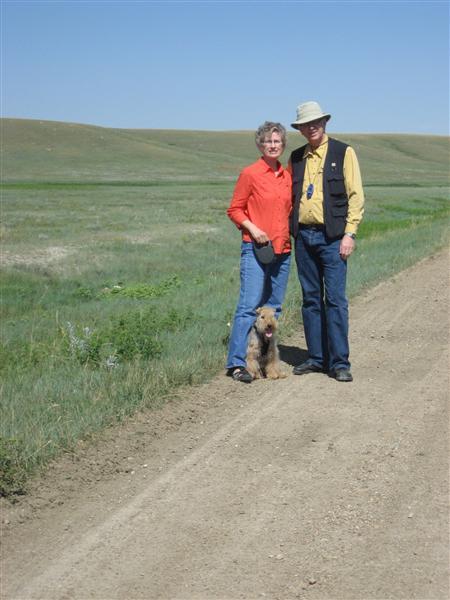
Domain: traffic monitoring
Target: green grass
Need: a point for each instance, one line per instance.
(121, 270)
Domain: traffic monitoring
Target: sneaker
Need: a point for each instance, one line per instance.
(240, 374)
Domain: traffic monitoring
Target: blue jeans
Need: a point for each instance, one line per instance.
(261, 285)
(323, 274)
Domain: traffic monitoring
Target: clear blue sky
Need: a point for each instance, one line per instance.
(376, 66)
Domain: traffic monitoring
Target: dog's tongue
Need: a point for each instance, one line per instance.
(268, 334)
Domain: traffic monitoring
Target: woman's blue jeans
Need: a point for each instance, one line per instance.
(323, 274)
(261, 285)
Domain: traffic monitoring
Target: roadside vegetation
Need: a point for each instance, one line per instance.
(120, 269)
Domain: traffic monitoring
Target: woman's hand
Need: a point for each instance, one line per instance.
(260, 236)
(257, 234)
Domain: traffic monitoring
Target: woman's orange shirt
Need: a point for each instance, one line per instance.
(264, 197)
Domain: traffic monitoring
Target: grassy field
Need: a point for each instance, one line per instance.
(120, 268)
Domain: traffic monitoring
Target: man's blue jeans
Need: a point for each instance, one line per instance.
(261, 285)
(323, 274)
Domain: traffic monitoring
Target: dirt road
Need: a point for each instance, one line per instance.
(301, 488)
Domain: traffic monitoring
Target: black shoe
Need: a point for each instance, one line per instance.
(343, 375)
(240, 374)
(307, 367)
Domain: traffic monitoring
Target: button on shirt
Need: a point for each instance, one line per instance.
(264, 197)
(311, 210)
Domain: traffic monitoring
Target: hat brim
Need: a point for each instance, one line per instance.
(296, 124)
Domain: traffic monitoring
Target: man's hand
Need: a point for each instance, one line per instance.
(347, 246)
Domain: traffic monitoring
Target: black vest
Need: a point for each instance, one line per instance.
(335, 199)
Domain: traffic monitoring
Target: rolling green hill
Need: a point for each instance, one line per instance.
(37, 151)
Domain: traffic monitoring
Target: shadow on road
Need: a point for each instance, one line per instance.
(292, 355)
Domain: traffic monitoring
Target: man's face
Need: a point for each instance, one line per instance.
(314, 131)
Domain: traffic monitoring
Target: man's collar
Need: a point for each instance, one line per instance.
(320, 150)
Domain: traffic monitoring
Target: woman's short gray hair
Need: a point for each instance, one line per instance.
(266, 129)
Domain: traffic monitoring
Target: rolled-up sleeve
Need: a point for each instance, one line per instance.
(237, 210)
(355, 192)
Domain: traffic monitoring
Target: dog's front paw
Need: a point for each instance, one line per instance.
(276, 375)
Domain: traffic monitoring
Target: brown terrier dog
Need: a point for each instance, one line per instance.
(262, 352)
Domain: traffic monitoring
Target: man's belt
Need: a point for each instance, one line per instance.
(316, 227)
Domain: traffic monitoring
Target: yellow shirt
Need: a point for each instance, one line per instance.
(311, 211)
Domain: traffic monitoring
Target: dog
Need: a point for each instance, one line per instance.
(262, 352)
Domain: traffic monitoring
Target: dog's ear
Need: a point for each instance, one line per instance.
(258, 311)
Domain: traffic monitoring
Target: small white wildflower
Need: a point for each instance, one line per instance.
(78, 345)
(112, 361)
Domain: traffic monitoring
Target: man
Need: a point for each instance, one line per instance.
(328, 205)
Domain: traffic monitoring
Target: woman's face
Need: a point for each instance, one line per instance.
(272, 146)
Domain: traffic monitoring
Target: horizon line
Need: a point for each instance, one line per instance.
(207, 130)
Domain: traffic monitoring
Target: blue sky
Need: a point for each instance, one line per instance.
(376, 66)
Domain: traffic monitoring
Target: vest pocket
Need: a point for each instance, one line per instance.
(336, 185)
(339, 208)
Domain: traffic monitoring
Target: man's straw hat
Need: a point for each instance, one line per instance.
(309, 111)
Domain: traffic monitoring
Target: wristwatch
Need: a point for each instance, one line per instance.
(352, 235)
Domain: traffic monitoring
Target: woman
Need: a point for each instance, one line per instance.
(260, 208)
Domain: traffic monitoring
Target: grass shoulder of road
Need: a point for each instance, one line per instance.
(95, 372)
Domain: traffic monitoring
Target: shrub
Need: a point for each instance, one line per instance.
(130, 335)
(141, 291)
(133, 335)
